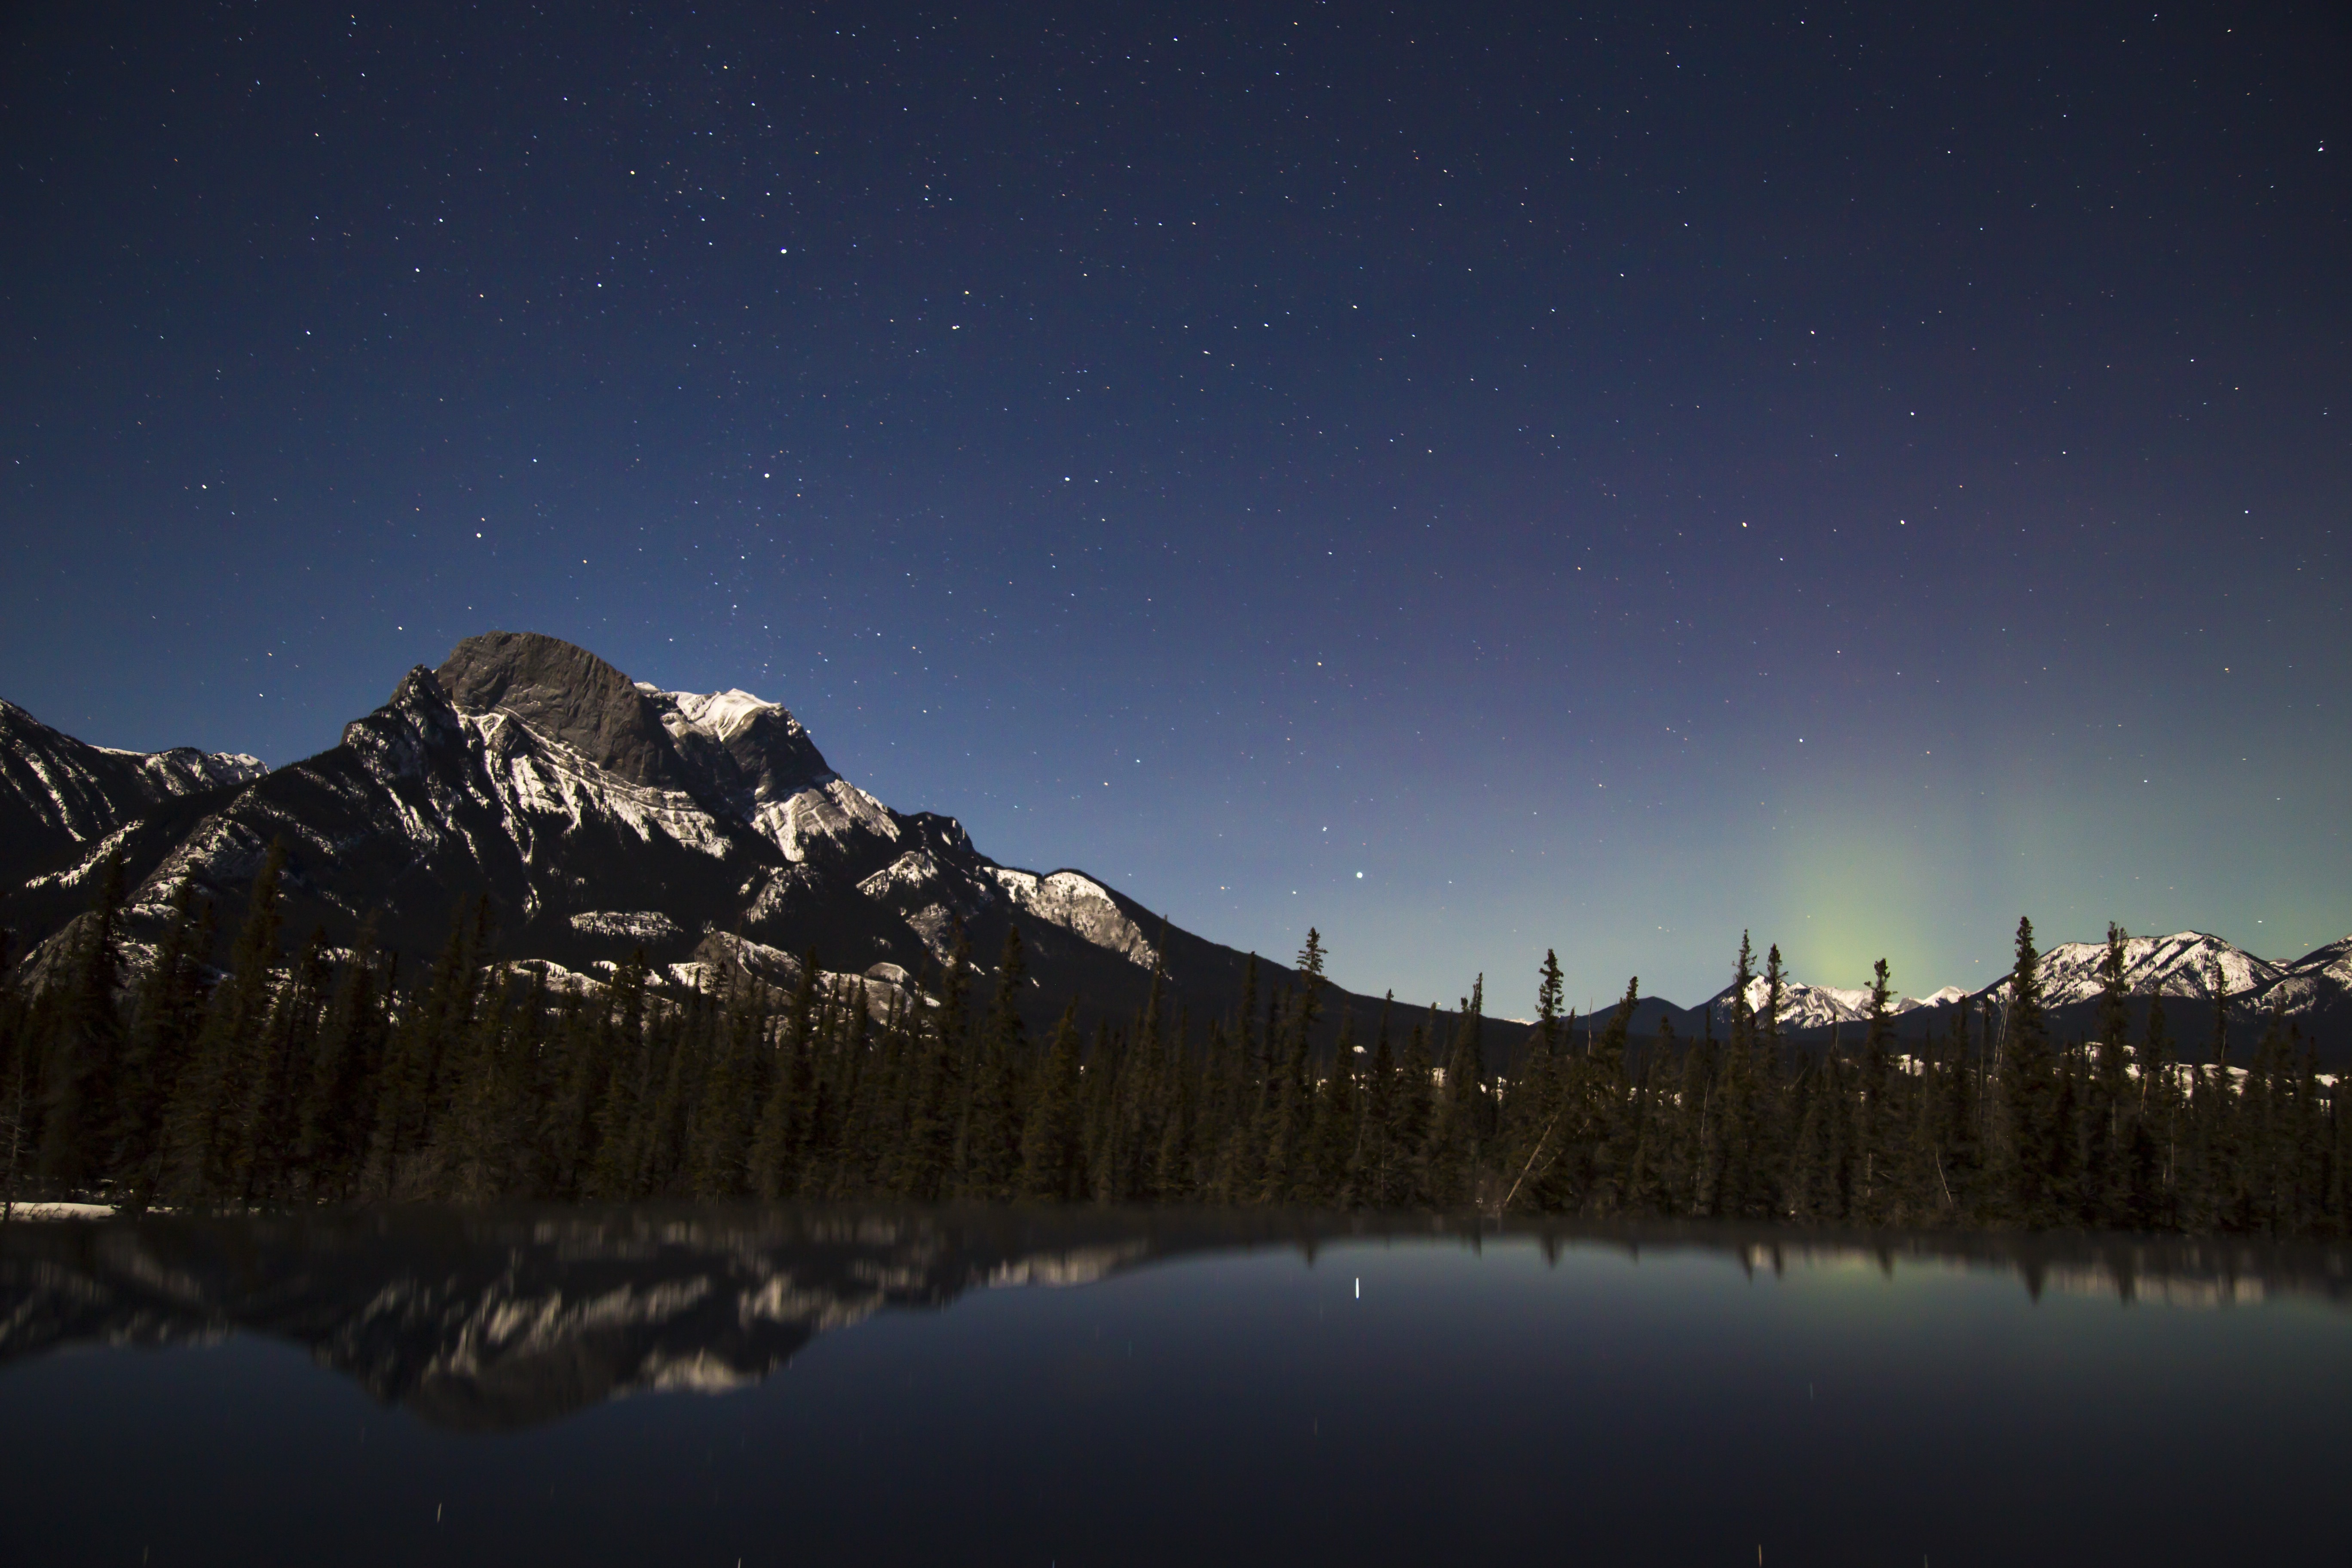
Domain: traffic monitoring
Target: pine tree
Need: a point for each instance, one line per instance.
(16, 1085)
(927, 1156)
(990, 1157)
(1874, 1143)
(1606, 1132)
(85, 1050)
(2031, 1150)
(1050, 1140)
(1455, 1137)
(206, 1154)
(1377, 1179)
(1332, 1135)
(2107, 1130)
(2159, 1119)
(776, 1140)
(1416, 1115)
(266, 1123)
(723, 1123)
(1550, 994)
(165, 1019)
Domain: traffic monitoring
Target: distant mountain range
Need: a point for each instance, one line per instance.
(2315, 993)
(602, 816)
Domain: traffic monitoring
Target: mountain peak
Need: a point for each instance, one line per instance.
(566, 694)
(751, 751)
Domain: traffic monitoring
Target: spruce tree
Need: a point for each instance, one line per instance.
(205, 1154)
(1416, 1114)
(165, 1019)
(775, 1142)
(1332, 1136)
(1455, 1140)
(1377, 1179)
(267, 1121)
(1050, 1141)
(2158, 1119)
(87, 1047)
(990, 1157)
(2031, 1150)
(1874, 1143)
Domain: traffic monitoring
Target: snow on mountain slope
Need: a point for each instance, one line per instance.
(649, 926)
(57, 792)
(717, 714)
(2177, 966)
(601, 815)
(835, 821)
(1081, 905)
(2318, 982)
(1805, 1006)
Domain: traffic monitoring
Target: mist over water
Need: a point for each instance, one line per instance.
(704, 1384)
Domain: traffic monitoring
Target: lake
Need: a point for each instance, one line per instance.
(766, 1386)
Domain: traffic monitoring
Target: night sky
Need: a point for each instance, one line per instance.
(1474, 480)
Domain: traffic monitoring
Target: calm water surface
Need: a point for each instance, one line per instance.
(705, 1387)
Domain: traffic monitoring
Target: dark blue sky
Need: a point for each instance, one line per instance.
(1607, 478)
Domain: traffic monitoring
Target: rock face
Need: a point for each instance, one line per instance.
(58, 793)
(568, 696)
(601, 818)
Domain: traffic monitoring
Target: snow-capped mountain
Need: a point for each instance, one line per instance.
(1807, 1007)
(602, 816)
(56, 792)
(2319, 984)
(2181, 965)
(2314, 992)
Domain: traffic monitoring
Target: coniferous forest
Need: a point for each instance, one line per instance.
(331, 1077)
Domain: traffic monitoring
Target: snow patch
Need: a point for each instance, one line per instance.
(1080, 905)
(628, 925)
(825, 820)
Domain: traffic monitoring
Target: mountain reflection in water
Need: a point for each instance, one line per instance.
(489, 1321)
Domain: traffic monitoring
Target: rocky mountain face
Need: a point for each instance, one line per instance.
(601, 818)
(57, 793)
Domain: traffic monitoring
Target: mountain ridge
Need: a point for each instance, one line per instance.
(601, 814)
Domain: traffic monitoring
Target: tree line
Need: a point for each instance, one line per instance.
(329, 1077)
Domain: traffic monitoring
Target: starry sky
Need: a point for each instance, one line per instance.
(1473, 479)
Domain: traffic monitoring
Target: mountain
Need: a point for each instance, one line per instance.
(2318, 985)
(2179, 965)
(57, 793)
(601, 817)
(2315, 993)
(1805, 1008)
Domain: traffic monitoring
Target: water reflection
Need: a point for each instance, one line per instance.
(487, 1321)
